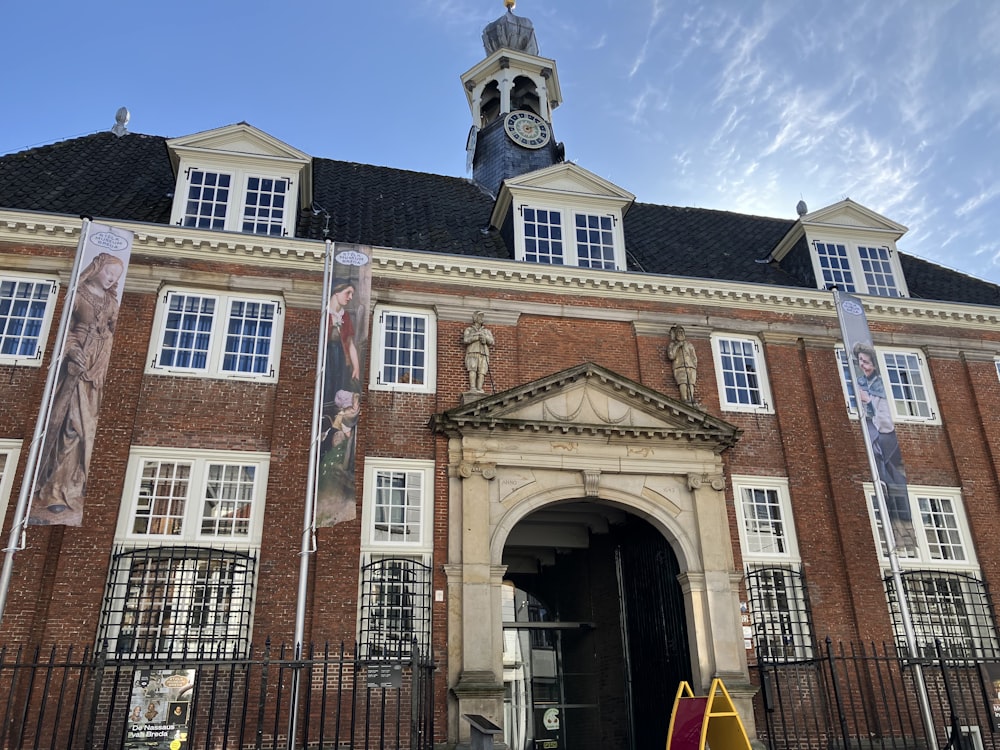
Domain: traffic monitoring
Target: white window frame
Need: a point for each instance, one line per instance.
(763, 386)
(996, 363)
(372, 549)
(191, 533)
(898, 417)
(236, 203)
(32, 359)
(922, 557)
(192, 559)
(221, 317)
(782, 633)
(377, 380)
(424, 470)
(857, 283)
(779, 486)
(568, 218)
(10, 452)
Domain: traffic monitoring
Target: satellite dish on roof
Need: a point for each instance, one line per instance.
(121, 120)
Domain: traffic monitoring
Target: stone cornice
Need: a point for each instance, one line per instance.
(157, 240)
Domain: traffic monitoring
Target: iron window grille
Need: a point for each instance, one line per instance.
(780, 614)
(952, 608)
(395, 608)
(179, 602)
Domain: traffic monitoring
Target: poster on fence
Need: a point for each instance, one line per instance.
(990, 673)
(160, 709)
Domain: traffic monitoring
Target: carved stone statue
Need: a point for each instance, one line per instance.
(478, 339)
(682, 355)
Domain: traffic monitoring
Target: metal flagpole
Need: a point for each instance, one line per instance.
(16, 541)
(909, 633)
(309, 514)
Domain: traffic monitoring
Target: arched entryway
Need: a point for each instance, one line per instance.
(575, 494)
(595, 632)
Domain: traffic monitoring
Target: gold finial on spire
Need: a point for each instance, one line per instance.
(509, 4)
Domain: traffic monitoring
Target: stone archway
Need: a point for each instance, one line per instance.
(585, 433)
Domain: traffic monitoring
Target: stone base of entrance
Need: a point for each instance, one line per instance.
(478, 693)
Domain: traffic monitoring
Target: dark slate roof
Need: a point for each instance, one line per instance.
(131, 178)
(395, 208)
(926, 280)
(704, 243)
(96, 175)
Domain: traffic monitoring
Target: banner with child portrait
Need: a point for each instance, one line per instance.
(345, 344)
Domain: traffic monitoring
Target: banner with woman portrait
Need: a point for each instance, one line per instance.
(344, 339)
(879, 428)
(81, 355)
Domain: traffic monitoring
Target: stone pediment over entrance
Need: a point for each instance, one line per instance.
(588, 400)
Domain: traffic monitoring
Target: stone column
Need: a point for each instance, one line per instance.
(716, 631)
(479, 689)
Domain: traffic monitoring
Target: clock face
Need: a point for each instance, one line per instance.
(527, 129)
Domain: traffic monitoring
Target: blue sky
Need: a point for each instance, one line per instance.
(727, 104)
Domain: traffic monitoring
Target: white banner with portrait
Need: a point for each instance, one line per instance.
(879, 428)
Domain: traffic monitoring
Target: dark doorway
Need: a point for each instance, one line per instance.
(595, 637)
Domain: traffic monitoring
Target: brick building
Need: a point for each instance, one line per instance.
(596, 523)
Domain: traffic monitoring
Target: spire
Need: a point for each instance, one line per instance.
(510, 32)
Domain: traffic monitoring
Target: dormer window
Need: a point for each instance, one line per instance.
(239, 179)
(858, 268)
(590, 242)
(237, 201)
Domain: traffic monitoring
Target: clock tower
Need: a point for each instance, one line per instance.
(511, 94)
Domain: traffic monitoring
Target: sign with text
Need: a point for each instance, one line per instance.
(160, 709)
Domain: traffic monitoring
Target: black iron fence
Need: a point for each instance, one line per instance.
(851, 697)
(66, 698)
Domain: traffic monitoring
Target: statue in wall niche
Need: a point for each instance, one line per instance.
(478, 339)
(684, 359)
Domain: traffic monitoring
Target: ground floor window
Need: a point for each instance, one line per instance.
(395, 607)
(179, 602)
(779, 613)
(947, 608)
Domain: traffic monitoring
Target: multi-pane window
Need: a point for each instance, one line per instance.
(864, 269)
(264, 208)
(847, 382)
(404, 351)
(905, 381)
(877, 271)
(207, 199)
(236, 200)
(9, 451)
(398, 506)
(543, 241)
(595, 243)
(589, 240)
(395, 607)
(395, 554)
(762, 521)
(740, 373)
(905, 375)
(945, 594)
(217, 335)
(182, 577)
(777, 602)
(179, 602)
(26, 307)
(779, 612)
